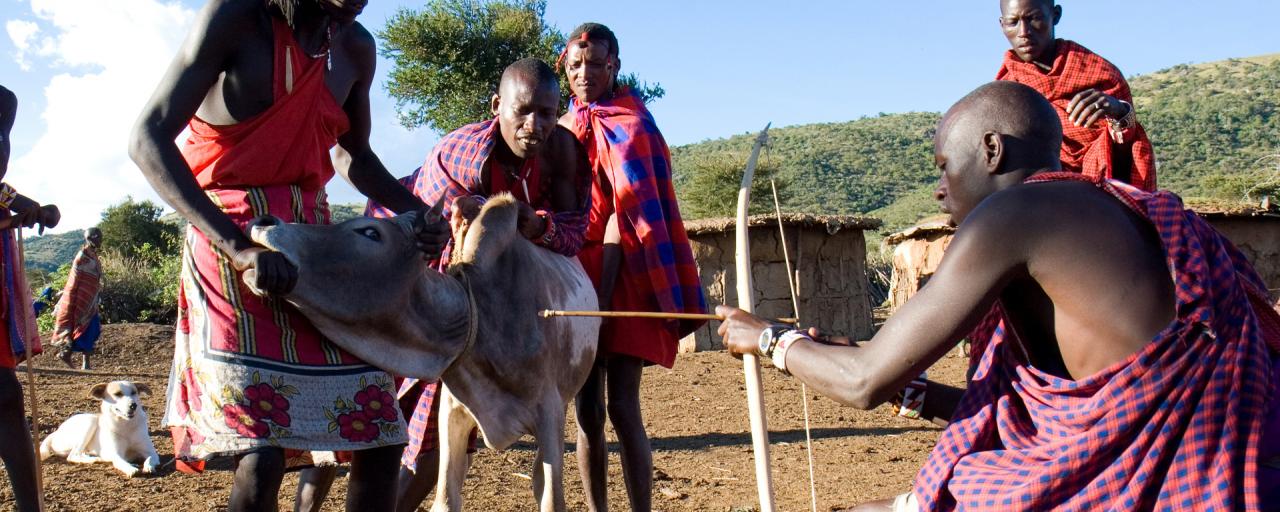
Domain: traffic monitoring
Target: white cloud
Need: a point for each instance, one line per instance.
(21, 32)
(108, 56)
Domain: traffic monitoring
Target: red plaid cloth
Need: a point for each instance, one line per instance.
(79, 301)
(456, 167)
(1086, 150)
(1177, 426)
(624, 144)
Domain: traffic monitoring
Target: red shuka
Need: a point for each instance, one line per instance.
(280, 153)
(1090, 150)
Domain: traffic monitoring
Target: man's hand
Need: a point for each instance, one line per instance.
(48, 217)
(740, 330)
(529, 223)
(465, 209)
(25, 211)
(266, 272)
(1090, 105)
(431, 232)
(839, 341)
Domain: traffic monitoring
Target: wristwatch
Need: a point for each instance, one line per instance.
(769, 339)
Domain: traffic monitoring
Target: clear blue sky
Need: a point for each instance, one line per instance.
(728, 66)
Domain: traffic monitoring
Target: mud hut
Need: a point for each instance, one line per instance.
(1254, 230)
(828, 253)
(917, 251)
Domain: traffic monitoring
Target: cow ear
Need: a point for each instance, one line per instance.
(143, 389)
(98, 391)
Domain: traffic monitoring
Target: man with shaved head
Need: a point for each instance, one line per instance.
(520, 151)
(1101, 133)
(1132, 359)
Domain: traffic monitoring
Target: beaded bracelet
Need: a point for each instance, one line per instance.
(549, 233)
(779, 355)
(7, 195)
(910, 400)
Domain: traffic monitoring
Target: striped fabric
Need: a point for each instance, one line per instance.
(624, 143)
(250, 372)
(79, 302)
(20, 336)
(1176, 426)
(1086, 150)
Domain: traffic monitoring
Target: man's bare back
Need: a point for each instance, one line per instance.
(1085, 282)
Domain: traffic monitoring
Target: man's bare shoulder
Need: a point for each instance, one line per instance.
(359, 43)
(563, 148)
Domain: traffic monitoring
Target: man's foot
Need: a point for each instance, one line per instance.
(65, 356)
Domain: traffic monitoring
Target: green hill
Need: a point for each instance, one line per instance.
(47, 253)
(1213, 126)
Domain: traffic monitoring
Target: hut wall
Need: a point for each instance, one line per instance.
(1258, 238)
(832, 279)
(914, 261)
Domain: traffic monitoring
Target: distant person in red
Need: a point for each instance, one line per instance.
(1101, 136)
(636, 252)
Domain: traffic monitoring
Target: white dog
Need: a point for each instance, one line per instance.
(117, 434)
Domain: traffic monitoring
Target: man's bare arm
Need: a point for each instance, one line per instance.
(356, 161)
(190, 76)
(987, 251)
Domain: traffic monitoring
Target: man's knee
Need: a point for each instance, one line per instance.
(261, 466)
(590, 412)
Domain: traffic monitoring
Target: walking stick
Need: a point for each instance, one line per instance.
(751, 363)
(33, 401)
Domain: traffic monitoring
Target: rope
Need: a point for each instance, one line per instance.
(795, 307)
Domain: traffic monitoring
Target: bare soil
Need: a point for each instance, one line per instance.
(696, 416)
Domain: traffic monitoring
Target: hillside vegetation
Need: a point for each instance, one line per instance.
(1213, 126)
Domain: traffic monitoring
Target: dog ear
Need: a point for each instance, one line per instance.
(98, 391)
(143, 389)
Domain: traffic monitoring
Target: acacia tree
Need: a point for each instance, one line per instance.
(710, 183)
(449, 56)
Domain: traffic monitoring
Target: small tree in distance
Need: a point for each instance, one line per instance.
(449, 56)
(710, 187)
(134, 229)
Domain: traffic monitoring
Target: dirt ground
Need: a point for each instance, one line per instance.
(696, 416)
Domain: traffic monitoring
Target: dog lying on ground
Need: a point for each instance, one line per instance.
(118, 433)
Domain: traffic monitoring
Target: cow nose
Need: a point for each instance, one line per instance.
(265, 221)
(133, 407)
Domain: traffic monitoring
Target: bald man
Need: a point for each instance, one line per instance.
(1127, 370)
(520, 151)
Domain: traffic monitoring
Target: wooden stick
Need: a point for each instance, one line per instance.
(548, 313)
(32, 399)
(751, 363)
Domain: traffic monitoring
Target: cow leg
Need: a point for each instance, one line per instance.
(548, 465)
(455, 433)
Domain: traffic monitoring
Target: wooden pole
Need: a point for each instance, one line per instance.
(548, 313)
(32, 400)
(751, 363)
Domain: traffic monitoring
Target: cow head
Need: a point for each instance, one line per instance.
(353, 271)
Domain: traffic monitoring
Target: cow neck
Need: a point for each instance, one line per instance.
(473, 315)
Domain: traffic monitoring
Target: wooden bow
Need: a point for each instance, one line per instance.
(750, 363)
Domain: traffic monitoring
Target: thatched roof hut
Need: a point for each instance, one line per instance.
(827, 251)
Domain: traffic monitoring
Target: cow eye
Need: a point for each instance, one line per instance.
(370, 233)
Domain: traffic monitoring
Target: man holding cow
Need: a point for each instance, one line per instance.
(522, 152)
(266, 89)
